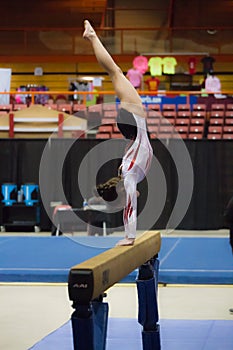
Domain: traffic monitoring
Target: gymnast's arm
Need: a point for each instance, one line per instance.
(130, 210)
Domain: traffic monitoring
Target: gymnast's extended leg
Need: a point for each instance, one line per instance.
(127, 94)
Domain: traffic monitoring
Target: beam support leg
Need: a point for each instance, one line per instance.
(89, 325)
(82, 326)
(147, 286)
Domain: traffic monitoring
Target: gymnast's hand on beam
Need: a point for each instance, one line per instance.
(126, 241)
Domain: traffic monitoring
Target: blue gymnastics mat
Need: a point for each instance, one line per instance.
(125, 334)
(49, 259)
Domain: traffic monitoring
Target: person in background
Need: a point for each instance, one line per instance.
(135, 77)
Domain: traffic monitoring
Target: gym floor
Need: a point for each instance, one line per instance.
(29, 312)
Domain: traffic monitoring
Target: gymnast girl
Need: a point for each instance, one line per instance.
(131, 121)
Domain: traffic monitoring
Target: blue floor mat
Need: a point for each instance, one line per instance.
(125, 334)
(49, 259)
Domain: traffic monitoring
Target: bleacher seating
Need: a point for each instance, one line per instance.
(193, 123)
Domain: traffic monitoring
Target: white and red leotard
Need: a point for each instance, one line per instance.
(135, 165)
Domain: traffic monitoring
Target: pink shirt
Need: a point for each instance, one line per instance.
(135, 77)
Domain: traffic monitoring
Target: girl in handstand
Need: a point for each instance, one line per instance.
(131, 121)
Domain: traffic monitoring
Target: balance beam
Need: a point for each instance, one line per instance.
(88, 280)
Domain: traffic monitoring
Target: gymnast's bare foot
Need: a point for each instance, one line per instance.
(89, 31)
(126, 241)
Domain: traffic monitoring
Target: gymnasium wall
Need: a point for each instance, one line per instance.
(138, 29)
(212, 168)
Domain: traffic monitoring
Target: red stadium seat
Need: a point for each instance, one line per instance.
(165, 130)
(18, 107)
(117, 135)
(228, 129)
(109, 107)
(214, 136)
(182, 121)
(183, 114)
(154, 107)
(7, 107)
(103, 135)
(197, 121)
(110, 113)
(215, 129)
(195, 136)
(197, 130)
(153, 121)
(65, 107)
(229, 114)
(198, 114)
(183, 107)
(169, 107)
(217, 107)
(217, 114)
(227, 136)
(153, 128)
(228, 121)
(152, 113)
(169, 114)
(199, 107)
(108, 120)
(182, 130)
(105, 128)
(229, 107)
(216, 121)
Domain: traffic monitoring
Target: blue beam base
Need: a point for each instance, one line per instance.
(147, 286)
(89, 325)
(151, 340)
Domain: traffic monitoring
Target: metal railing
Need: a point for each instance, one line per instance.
(54, 93)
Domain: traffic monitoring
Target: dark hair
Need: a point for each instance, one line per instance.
(107, 190)
(127, 124)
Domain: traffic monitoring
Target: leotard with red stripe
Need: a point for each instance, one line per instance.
(135, 166)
